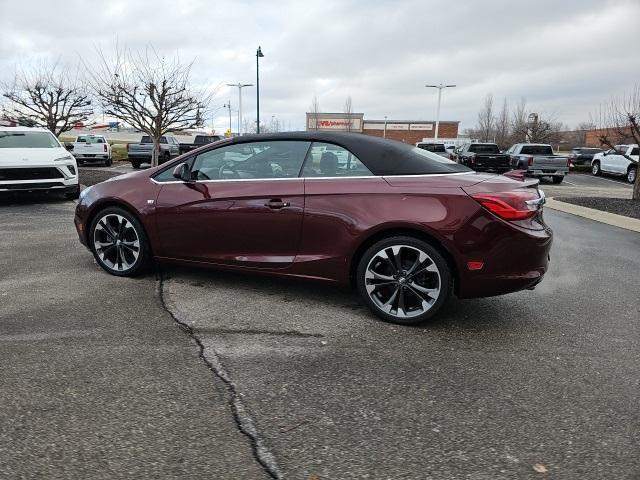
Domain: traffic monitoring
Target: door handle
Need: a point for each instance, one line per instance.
(276, 204)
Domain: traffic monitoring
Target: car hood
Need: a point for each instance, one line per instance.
(31, 157)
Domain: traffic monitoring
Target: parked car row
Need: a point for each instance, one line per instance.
(538, 160)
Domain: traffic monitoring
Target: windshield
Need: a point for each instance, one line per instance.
(27, 139)
(483, 148)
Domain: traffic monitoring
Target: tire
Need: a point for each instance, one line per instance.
(108, 162)
(114, 235)
(135, 164)
(558, 179)
(631, 174)
(74, 195)
(398, 300)
(595, 169)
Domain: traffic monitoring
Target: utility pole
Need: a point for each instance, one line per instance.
(384, 132)
(440, 87)
(258, 56)
(240, 87)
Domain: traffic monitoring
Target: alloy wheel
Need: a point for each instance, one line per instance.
(116, 242)
(631, 175)
(595, 169)
(403, 281)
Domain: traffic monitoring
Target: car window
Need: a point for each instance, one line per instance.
(484, 148)
(89, 139)
(148, 139)
(635, 151)
(27, 139)
(328, 160)
(536, 150)
(433, 147)
(255, 160)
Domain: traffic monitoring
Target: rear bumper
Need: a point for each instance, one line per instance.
(515, 258)
(546, 172)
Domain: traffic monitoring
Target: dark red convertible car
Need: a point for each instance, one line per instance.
(405, 226)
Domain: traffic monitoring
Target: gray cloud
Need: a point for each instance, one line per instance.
(565, 57)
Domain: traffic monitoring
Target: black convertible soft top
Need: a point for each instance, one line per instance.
(381, 156)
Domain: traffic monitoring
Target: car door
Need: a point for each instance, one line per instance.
(243, 207)
(337, 184)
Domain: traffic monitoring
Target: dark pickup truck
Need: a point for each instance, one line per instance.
(199, 141)
(484, 157)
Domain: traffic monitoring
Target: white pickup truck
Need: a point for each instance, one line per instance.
(622, 160)
(91, 148)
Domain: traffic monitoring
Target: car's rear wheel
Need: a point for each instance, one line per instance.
(558, 179)
(403, 280)
(108, 162)
(631, 174)
(135, 164)
(118, 242)
(595, 168)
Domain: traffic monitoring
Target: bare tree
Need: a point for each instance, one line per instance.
(619, 121)
(348, 110)
(519, 122)
(148, 92)
(49, 96)
(580, 136)
(486, 120)
(502, 126)
(315, 111)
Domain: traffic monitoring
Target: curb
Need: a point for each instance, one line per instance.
(616, 220)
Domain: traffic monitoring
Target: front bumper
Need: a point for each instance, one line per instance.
(59, 177)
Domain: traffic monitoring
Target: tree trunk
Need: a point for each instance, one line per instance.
(156, 152)
(636, 185)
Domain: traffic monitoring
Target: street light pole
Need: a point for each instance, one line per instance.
(258, 56)
(384, 132)
(228, 105)
(440, 87)
(240, 87)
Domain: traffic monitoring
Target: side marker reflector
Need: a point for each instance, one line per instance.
(475, 265)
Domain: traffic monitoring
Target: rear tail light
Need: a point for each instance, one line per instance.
(513, 205)
(105, 147)
(530, 161)
(128, 144)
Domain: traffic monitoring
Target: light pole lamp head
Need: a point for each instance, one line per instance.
(259, 52)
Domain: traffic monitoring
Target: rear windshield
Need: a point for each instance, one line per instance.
(205, 139)
(147, 139)
(484, 148)
(433, 147)
(89, 139)
(537, 150)
(26, 139)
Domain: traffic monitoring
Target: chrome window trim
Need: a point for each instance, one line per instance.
(368, 177)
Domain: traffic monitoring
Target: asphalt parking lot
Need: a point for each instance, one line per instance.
(298, 379)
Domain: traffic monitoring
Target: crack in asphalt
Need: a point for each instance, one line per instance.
(240, 413)
(232, 331)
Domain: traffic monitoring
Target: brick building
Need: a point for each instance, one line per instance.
(407, 131)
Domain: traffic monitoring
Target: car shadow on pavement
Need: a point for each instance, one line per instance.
(498, 314)
(31, 198)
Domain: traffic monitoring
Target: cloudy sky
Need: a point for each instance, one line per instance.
(564, 56)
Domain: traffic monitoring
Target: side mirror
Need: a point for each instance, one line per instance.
(181, 172)
(69, 146)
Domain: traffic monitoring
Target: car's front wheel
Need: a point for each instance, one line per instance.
(118, 242)
(631, 174)
(595, 168)
(403, 280)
